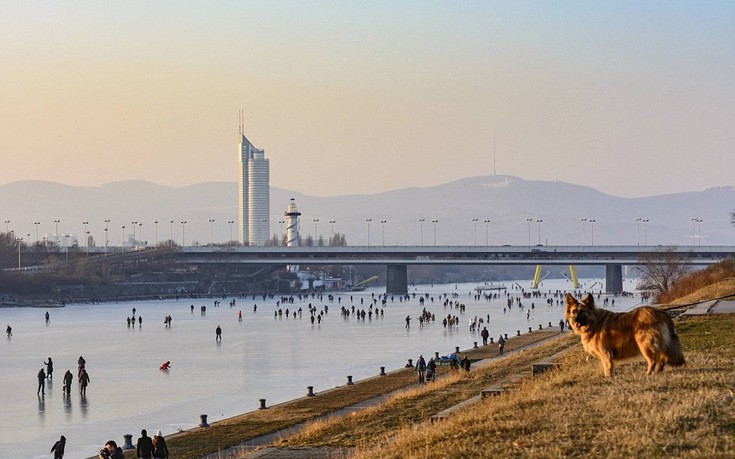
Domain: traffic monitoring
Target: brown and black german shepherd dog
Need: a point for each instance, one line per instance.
(615, 336)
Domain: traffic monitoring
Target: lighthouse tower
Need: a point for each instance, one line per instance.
(292, 225)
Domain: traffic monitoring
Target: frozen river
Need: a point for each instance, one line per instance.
(260, 357)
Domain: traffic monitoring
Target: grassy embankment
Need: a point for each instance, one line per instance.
(570, 412)
(230, 432)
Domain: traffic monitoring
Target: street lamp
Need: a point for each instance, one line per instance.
(183, 234)
(584, 232)
(474, 221)
(645, 231)
(56, 231)
(122, 238)
(7, 223)
(529, 220)
(332, 222)
(107, 227)
(638, 231)
(592, 231)
(696, 221)
(316, 222)
(66, 246)
(18, 240)
(539, 230)
(383, 222)
(86, 232)
(487, 237)
(134, 224)
(211, 231)
(368, 220)
(435, 222)
(421, 229)
(36, 224)
(171, 231)
(230, 222)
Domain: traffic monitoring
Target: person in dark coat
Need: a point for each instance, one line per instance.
(160, 450)
(83, 382)
(49, 368)
(58, 448)
(218, 332)
(41, 382)
(68, 378)
(485, 335)
(145, 445)
(111, 451)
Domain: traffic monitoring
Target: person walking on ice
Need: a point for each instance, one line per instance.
(218, 332)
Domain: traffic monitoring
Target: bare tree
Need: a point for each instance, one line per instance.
(662, 268)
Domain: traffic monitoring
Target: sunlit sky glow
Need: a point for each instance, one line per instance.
(632, 98)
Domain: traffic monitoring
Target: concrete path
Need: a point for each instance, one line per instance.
(700, 308)
(723, 307)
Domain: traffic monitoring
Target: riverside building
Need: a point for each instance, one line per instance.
(253, 192)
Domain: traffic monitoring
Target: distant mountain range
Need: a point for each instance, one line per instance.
(507, 202)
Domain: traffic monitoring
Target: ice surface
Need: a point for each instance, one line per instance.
(261, 357)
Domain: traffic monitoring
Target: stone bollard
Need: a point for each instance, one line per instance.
(518, 333)
(262, 404)
(506, 336)
(491, 340)
(456, 349)
(410, 363)
(349, 380)
(309, 391)
(436, 356)
(549, 324)
(475, 344)
(382, 371)
(540, 327)
(529, 330)
(203, 420)
(128, 444)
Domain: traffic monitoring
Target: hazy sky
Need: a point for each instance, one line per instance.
(632, 98)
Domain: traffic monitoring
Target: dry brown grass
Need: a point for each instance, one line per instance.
(575, 412)
(693, 287)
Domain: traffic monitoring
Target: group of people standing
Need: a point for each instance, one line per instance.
(68, 377)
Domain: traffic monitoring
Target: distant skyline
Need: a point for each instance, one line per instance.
(630, 98)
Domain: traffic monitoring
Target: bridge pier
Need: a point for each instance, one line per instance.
(613, 278)
(396, 280)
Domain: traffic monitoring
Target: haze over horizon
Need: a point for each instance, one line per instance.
(632, 99)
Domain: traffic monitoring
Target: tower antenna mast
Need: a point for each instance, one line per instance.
(494, 170)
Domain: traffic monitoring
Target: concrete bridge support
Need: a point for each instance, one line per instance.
(396, 280)
(613, 278)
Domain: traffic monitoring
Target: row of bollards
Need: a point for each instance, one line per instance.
(128, 438)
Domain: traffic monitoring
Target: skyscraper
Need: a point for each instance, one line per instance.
(253, 192)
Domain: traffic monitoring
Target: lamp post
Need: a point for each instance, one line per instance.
(368, 220)
(66, 246)
(332, 222)
(56, 231)
(487, 232)
(383, 222)
(18, 240)
(122, 237)
(638, 230)
(584, 232)
(230, 222)
(107, 235)
(7, 223)
(421, 229)
(539, 230)
(36, 225)
(696, 221)
(171, 231)
(211, 231)
(435, 222)
(183, 234)
(474, 222)
(85, 235)
(592, 231)
(155, 224)
(140, 232)
(529, 220)
(135, 241)
(316, 222)
(645, 231)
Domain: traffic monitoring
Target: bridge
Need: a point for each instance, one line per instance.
(397, 258)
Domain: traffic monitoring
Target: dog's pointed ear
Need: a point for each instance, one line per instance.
(589, 300)
(571, 299)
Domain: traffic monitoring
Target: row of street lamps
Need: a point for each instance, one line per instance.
(696, 230)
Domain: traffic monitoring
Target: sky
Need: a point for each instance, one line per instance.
(631, 98)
